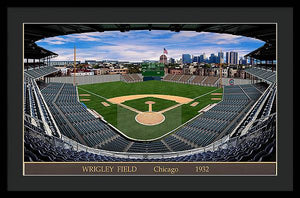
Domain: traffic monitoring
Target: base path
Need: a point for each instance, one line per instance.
(178, 99)
(150, 118)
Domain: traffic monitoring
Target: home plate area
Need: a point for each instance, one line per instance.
(150, 118)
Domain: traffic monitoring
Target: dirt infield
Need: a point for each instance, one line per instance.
(150, 118)
(83, 99)
(84, 94)
(105, 104)
(194, 104)
(216, 94)
(216, 98)
(150, 103)
(178, 99)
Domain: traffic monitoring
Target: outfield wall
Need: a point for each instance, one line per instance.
(81, 80)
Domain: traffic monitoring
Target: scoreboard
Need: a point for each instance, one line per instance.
(153, 69)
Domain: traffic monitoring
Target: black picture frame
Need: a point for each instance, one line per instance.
(283, 16)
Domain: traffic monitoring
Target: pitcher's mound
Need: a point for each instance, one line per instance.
(150, 118)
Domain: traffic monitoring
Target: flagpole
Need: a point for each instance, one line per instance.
(163, 56)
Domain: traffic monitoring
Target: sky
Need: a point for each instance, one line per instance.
(135, 46)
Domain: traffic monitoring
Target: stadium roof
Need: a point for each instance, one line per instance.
(264, 32)
(33, 51)
(266, 52)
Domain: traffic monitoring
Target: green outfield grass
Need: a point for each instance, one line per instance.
(119, 88)
(123, 119)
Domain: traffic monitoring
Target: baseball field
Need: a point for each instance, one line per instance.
(147, 110)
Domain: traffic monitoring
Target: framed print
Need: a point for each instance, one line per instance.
(148, 98)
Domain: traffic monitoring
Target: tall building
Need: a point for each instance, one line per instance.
(232, 58)
(220, 57)
(202, 58)
(186, 58)
(172, 60)
(163, 59)
(213, 58)
(195, 59)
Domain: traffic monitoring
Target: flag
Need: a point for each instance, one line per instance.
(165, 51)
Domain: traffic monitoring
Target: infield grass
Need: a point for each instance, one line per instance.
(160, 104)
(123, 119)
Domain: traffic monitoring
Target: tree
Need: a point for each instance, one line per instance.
(96, 66)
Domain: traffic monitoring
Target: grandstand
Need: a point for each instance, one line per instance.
(263, 74)
(40, 72)
(58, 127)
(193, 79)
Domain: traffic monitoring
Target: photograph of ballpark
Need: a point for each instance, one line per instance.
(149, 92)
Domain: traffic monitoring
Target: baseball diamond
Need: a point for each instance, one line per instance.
(161, 110)
(165, 97)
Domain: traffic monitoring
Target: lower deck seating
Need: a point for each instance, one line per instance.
(256, 146)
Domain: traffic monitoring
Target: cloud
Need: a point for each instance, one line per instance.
(146, 45)
(82, 37)
(55, 40)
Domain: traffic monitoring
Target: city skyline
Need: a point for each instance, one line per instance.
(135, 46)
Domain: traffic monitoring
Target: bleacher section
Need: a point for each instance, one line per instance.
(192, 79)
(136, 77)
(185, 78)
(168, 77)
(131, 78)
(263, 74)
(198, 79)
(40, 72)
(210, 80)
(176, 77)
